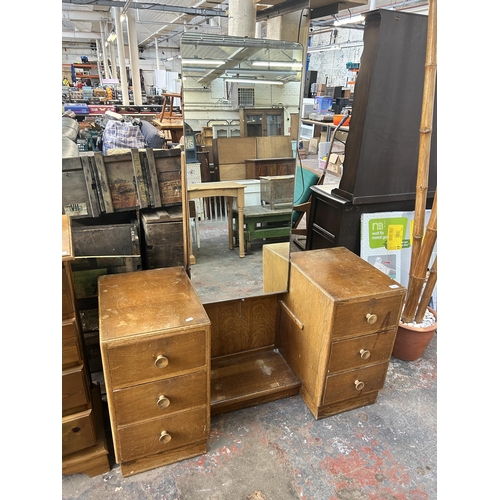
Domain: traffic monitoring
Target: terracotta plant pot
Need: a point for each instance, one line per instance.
(412, 341)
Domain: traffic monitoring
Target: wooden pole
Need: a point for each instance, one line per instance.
(417, 279)
(427, 293)
(425, 134)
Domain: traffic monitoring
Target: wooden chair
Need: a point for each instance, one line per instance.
(305, 177)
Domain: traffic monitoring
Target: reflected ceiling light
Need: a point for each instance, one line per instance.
(123, 15)
(349, 20)
(250, 80)
(215, 62)
(112, 36)
(323, 48)
(277, 64)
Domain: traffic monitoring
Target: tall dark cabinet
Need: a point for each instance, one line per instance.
(381, 155)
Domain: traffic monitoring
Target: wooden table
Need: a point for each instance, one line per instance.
(229, 189)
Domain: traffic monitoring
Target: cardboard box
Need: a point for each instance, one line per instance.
(336, 163)
(313, 146)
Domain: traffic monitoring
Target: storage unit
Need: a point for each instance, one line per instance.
(261, 122)
(338, 324)
(156, 367)
(162, 239)
(276, 189)
(256, 168)
(83, 440)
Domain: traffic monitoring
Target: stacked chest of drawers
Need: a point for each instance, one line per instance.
(83, 440)
(337, 328)
(155, 346)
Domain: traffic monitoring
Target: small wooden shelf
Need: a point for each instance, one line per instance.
(248, 379)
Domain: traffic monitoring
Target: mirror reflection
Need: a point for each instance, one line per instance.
(241, 99)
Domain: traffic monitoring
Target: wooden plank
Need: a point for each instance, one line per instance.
(276, 146)
(250, 379)
(232, 171)
(89, 182)
(102, 181)
(154, 188)
(236, 149)
(140, 184)
(242, 325)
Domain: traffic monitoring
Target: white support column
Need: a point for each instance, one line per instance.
(121, 56)
(242, 15)
(98, 49)
(112, 55)
(258, 29)
(286, 27)
(134, 56)
(104, 51)
(157, 55)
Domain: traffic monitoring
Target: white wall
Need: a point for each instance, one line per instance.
(331, 64)
(215, 103)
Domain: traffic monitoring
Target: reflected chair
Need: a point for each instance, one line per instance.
(305, 178)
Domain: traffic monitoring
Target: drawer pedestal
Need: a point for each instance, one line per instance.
(337, 328)
(155, 346)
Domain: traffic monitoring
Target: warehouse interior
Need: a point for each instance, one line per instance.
(294, 444)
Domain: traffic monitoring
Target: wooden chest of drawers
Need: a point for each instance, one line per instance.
(337, 328)
(83, 440)
(155, 346)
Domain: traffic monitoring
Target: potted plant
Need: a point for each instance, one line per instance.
(418, 322)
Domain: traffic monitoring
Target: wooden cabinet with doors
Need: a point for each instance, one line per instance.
(337, 329)
(262, 122)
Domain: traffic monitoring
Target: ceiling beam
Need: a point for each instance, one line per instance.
(151, 6)
(71, 35)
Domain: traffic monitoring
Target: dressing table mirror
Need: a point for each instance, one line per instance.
(242, 97)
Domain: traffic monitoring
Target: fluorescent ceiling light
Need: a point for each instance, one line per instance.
(112, 36)
(323, 48)
(277, 64)
(215, 62)
(249, 80)
(350, 20)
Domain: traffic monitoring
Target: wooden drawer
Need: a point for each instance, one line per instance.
(74, 388)
(71, 348)
(361, 351)
(132, 364)
(148, 401)
(343, 385)
(78, 432)
(143, 439)
(352, 318)
(68, 301)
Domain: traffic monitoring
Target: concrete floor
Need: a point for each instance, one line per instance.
(278, 451)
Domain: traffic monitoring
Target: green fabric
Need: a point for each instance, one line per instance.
(304, 179)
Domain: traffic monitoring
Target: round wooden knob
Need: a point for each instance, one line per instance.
(359, 385)
(165, 437)
(365, 353)
(161, 361)
(371, 318)
(163, 401)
